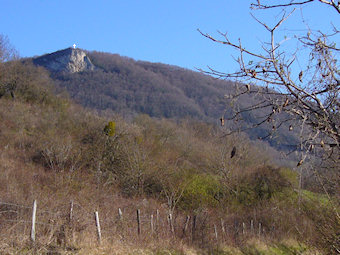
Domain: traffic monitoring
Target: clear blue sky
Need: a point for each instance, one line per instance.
(151, 30)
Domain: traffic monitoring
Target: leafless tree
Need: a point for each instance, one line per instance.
(309, 95)
(305, 98)
(8, 66)
(7, 51)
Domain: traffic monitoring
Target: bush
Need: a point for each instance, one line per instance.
(202, 191)
(258, 185)
(27, 82)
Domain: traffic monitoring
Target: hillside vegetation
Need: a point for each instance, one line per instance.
(55, 151)
(130, 87)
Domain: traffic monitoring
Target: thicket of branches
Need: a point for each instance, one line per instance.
(299, 89)
(302, 87)
(309, 95)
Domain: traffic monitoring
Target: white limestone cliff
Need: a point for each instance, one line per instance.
(67, 60)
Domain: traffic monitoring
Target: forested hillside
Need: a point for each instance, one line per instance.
(131, 87)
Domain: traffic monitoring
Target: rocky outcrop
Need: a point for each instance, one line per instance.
(67, 60)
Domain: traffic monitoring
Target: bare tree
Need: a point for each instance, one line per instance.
(7, 51)
(7, 66)
(309, 95)
(307, 98)
(173, 187)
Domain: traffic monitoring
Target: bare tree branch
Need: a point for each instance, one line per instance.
(290, 3)
(310, 95)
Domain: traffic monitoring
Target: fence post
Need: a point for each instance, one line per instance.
(138, 222)
(223, 229)
(99, 234)
(215, 230)
(120, 224)
(252, 226)
(260, 228)
(71, 211)
(171, 224)
(193, 228)
(243, 228)
(186, 224)
(151, 224)
(34, 213)
(120, 214)
(157, 220)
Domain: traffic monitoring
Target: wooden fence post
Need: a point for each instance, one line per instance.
(193, 230)
(34, 213)
(223, 229)
(185, 227)
(243, 228)
(215, 231)
(99, 234)
(151, 224)
(138, 222)
(120, 224)
(157, 220)
(252, 226)
(171, 224)
(260, 225)
(120, 214)
(71, 211)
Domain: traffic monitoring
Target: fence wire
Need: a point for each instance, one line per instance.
(123, 222)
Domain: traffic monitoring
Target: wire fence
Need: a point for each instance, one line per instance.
(66, 224)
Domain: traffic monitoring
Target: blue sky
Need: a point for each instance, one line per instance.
(151, 30)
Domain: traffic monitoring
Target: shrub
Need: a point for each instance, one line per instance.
(202, 191)
(258, 185)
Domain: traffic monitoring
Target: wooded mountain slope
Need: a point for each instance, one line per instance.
(130, 87)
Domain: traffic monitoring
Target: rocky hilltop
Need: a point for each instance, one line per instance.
(68, 60)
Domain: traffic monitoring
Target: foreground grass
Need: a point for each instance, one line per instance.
(251, 247)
